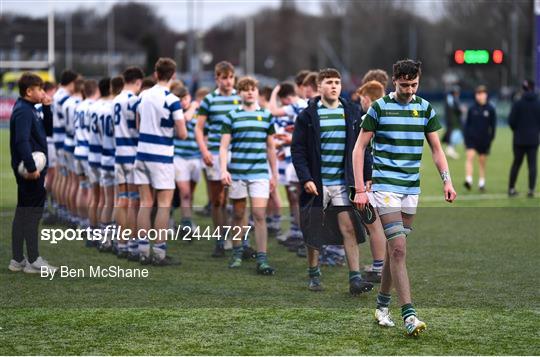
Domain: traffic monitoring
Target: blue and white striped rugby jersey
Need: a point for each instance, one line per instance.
(82, 129)
(70, 120)
(59, 125)
(125, 126)
(106, 127)
(94, 135)
(158, 111)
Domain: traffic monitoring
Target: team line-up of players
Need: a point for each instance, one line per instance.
(121, 146)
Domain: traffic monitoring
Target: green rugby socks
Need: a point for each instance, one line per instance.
(314, 272)
(354, 275)
(383, 300)
(407, 310)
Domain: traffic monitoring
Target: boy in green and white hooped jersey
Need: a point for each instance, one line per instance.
(249, 132)
(398, 124)
(213, 109)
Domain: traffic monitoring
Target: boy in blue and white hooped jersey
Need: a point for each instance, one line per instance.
(82, 136)
(67, 83)
(398, 123)
(160, 114)
(187, 157)
(106, 180)
(291, 106)
(213, 109)
(94, 154)
(249, 132)
(126, 134)
(70, 118)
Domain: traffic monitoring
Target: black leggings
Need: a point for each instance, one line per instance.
(30, 200)
(519, 154)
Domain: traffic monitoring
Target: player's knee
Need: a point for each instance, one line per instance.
(347, 229)
(259, 215)
(217, 202)
(146, 203)
(185, 196)
(398, 252)
(238, 214)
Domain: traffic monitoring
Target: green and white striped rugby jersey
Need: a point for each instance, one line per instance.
(333, 139)
(216, 106)
(398, 142)
(249, 132)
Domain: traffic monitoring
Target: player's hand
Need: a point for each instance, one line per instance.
(449, 192)
(287, 139)
(32, 175)
(194, 105)
(208, 158)
(273, 181)
(361, 200)
(289, 128)
(368, 185)
(46, 100)
(311, 188)
(226, 178)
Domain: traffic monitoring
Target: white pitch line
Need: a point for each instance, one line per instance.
(479, 197)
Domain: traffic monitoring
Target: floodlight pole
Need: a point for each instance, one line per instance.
(250, 45)
(50, 42)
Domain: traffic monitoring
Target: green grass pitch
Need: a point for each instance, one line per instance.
(473, 267)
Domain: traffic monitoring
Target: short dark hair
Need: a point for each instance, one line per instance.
(481, 88)
(117, 84)
(180, 91)
(265, 92)
(406, 69)
(300, 76)
(286, 89)
(79, 83)
(47, 86)
(327, 73)
(131, 74)
(105, 86)
(165, 68)
(27, 81)
(67, 77)
(90, 87)
(148, 82)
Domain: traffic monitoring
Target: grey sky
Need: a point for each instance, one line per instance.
(207, 12)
